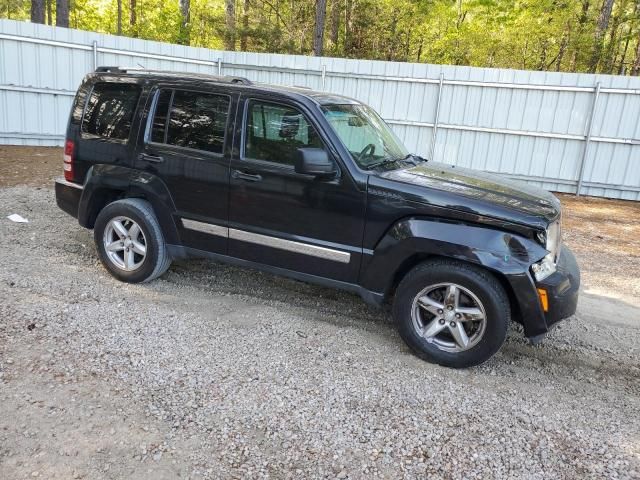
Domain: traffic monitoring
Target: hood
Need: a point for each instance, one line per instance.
(490, 191)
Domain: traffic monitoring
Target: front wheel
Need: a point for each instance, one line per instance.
(451, 313)
(130, 241)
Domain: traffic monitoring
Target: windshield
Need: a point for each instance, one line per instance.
(366, 136)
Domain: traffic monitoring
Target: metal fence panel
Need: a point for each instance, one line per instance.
(533, 126)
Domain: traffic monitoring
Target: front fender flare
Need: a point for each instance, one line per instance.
(506, 254)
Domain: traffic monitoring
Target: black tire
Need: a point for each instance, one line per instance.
(156, 260)
(476, 280)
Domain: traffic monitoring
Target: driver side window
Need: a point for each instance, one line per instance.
(274, 132)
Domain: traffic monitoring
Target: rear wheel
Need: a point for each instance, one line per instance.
(130, 241)
(452, 313)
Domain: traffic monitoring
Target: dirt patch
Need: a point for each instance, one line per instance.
(34, 166)
(605, 236)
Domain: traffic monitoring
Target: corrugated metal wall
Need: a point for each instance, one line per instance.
(527, 125)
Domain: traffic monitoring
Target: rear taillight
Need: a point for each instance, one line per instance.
(68, 160)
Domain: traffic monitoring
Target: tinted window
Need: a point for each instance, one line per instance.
(77, 110)
(160, 117)
(198, 120)
(110, 110)
(275, 132)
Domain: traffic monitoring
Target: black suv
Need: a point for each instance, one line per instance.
(316, 187)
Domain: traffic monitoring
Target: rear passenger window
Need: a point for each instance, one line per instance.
(197, 120)
(158, 129)
(110, 110)
(275, 132)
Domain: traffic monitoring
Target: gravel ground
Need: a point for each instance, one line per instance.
(219, 372)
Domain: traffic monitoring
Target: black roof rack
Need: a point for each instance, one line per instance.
(110, 70)
(216, 78)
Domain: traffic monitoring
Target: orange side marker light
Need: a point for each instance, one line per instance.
(544, 299)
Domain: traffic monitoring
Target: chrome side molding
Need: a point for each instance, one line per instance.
(268, 241)
(209, 228)
(291, 246)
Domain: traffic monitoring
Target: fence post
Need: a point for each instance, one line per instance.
(219, 66)
(324, 76)
(95, 54)
(587, 143)
(435, 123)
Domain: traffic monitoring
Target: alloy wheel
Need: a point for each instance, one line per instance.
(125, 243)
(449, 316)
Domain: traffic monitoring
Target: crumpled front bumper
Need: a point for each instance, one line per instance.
(562, 289)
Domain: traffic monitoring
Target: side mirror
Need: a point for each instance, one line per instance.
(314, 161)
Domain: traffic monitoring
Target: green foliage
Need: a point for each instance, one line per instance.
(557, 35)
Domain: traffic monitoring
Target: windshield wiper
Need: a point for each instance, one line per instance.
(382, 162)
(407, 157)
(415, 157)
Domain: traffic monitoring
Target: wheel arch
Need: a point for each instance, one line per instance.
(418, 258)
(107, 183)
(100, 198)
(415, 240)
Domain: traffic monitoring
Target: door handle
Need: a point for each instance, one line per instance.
(150, 158)
(249, 177)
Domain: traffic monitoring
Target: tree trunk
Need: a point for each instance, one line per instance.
(635, 70)
(37, 11)
(601, 29)
(582, 21)
(119, 19)
(390, 55)
(335, 23)
(230, 22)
(613, 45)
(348, 27)
(318, 31)
(62, 13)
(49, 13)
(542, 65)
(563, 46)
(621, 65)
(461, 15)
(407, 46)
(245, 26)
(133, 18)
(185, 21)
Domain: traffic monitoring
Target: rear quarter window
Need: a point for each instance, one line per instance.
(110, 109)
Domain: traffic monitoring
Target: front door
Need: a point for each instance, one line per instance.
(284, 219)
(188, 146)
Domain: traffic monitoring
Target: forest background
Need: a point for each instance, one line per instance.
(551, 35)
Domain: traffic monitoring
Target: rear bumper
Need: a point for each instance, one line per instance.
(68, 196)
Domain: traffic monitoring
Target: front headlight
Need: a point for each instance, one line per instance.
(552, 240)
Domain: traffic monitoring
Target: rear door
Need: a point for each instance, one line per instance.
(187, 144)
